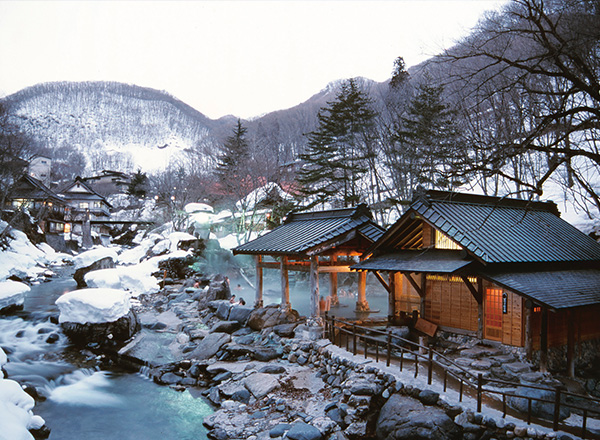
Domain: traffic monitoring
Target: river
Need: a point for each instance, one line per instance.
(82, 401)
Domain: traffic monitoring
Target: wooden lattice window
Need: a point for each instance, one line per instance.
(493, 314)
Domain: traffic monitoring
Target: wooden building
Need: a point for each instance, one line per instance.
(316, 242)
(47, 207)
(502, 269)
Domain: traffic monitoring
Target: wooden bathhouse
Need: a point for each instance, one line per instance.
(501, 269)
(316, 242)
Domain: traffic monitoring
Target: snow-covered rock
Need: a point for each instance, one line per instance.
(192, 208)
(12, 293)
(87, 258)
(16, 416)
(93, 305)
(136, 279)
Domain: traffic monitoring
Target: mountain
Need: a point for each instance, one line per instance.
(149, 126)
(109, 116)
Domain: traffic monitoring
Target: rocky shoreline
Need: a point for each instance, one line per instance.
(267, 380)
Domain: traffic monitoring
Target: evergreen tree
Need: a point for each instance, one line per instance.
(138, 185)
(427, 138)
(232, 163)
(339, 149)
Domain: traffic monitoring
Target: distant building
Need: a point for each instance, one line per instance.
(40, 167)
(108, 182)
(47, 207)
(86, 205)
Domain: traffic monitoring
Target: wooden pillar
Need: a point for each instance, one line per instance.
(528, 329)
(333, 284)
(480, 316)
(571, 343)
(361, 302)
(314, 287)
(544, 341)
(258, 299)
(424, 290)
(285, 284)
(392, 298)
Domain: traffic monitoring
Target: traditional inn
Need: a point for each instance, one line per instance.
(316, 242)
(500, 269)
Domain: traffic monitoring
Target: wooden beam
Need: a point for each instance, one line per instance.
(258, 300)
(385, 285)
(476, 292)
(424, 290)
(414, 284)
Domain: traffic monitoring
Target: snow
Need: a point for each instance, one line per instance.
(16, 416)
(89, 257)
(192, 208)
(3, 361)
(250, 202)
(136, 279)
(233, 240)
(12, 293)
(95, 305)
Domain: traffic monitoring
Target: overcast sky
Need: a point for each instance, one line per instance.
(243, 58)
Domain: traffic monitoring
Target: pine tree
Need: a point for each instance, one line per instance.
(138, 185)
(427, 138)
(232, 163)
(338, 150)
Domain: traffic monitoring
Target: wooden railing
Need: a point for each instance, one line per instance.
(383, 344)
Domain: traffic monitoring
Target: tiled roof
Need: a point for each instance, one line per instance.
(302, 232)
(555, 289)
(508, 231)
(421, 261)
(28, 187)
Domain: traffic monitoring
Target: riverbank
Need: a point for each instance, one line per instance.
(269, 379)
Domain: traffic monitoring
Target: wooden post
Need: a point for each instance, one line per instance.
(571, 343)
(480, 309)
(285, 284)
(361, 303)
(258, 300)
(392, 298)
(544, 342)
(314, 286)
(424, 290)
(528, 330)
(333, 284)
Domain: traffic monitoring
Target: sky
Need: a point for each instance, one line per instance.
(244, 57)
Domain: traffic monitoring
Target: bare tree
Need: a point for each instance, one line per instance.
(528, 82)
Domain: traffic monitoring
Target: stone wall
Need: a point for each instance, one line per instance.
(366, 388)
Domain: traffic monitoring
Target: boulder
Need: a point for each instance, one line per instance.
(106, 334)
(218, 288)
(271, 316)
(261, 384)
(303, 431)
(544, 410)
(210, 345)
(285, 330)
(240, 314)
(403, 417)
(225, 327)
(223, 309)
(103, 263)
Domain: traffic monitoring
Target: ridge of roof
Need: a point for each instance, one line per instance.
(352, 212)
(437, 196)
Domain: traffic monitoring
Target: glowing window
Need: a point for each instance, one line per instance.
(442, 241)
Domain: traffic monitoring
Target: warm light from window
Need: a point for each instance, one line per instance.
(442, 241)
(67, 228)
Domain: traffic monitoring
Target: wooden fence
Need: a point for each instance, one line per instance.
(383, 344)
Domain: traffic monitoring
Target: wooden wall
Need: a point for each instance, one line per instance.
(587, 325)
(449, 303)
